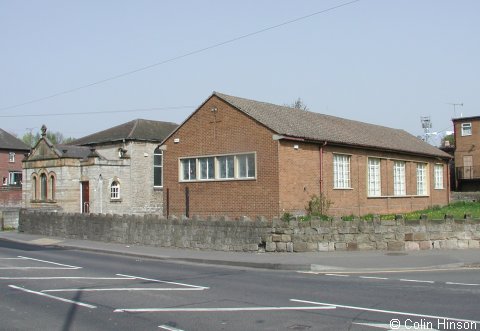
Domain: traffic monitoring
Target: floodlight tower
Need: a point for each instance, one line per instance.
(426, 125)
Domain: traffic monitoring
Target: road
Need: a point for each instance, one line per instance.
(59, 289)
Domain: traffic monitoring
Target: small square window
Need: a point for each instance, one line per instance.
(466, 129)
(11, 157)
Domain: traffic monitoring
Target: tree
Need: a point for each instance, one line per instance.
(450, 138)
(55, 137)
(298, 104)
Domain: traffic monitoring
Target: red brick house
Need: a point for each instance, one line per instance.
(235, 157)
(12, 152)
(467, 153)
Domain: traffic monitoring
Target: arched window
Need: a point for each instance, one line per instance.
(51, 185)
(158, 168)
(115, 190)
(34, 187)
(43, 187)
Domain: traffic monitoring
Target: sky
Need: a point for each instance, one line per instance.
(82, 66)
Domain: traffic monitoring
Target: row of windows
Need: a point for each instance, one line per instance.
(14, 179)
(43, 187)
(341, 176)
(221, 167)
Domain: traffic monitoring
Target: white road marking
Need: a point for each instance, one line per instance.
(385, 311)
(388, 327)
(205, 310)
(122, 289)
(165, 282)
(371, 277)
(464, 284)
(11, 258)
(50, 278)
(337, 275)
(37, 268)
(50, 262)
(169, 328)
(78, 303)
(417, 281)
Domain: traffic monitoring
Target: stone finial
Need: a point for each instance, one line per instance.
(44, 130)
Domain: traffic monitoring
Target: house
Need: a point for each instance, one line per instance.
(467, 153)
(233, 156)
(12, 152)
(116, 171)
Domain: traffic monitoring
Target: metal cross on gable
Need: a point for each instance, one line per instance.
(214, 110)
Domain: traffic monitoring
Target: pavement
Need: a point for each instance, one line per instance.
(337, 261)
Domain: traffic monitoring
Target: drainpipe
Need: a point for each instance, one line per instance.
(320, 150)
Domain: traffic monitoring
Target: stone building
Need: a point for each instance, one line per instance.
(235, 157)
(117, 171)
(12, 152)
(467, 153)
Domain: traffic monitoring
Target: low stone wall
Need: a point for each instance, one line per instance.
(257, 235)
(464, 196)
(9, 218)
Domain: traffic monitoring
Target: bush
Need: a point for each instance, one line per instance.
(318, 205)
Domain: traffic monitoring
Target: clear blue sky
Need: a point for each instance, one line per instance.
(386, 62)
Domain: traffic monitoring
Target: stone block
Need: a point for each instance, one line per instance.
(276, 237)
(396, 246)
(300, 247)
(462, 244)
(425, 245)
(473, 244)
(412, 246)
(352, 246)
(290, 247)
(286, 238)
(367, 246)
(408, 236)
(340, 246)
(420, 236)
(324, 247)
(281, 247)
(270, 247)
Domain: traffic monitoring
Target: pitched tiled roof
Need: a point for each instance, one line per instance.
(139, 129)
(325, 128)
(76, 152)
(8, 141)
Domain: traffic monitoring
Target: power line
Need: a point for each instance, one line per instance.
(100, 112)
(201, 50)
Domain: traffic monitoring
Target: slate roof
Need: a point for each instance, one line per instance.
(76, 152)
(308, 125)
(8, 141)
(139, 129)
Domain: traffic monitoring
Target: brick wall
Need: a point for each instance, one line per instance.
(257, 235)
(10, 196)
(225, 131)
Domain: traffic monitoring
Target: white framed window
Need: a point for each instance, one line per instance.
(115, 190)
(341, 171)
(189, 169)
(207, 167)
(422, 179)
(466, 129)
(11, 157)
(157, 167)
(438, 176)
(218, 167)
(246, 166)
(374, 178)
(399, 187)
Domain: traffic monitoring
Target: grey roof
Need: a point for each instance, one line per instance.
(8, 141)
(326, 128)
(76, 152)
(139, 129)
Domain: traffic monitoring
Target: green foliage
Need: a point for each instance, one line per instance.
(55, 137)
(318, 205)
(287, 217)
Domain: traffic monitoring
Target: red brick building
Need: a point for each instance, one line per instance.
(235, 157)
(467, 153)
(12, 152)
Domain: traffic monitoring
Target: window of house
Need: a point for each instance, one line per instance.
(226, 166)
(374, 178)
(34, 187)
(341, 171)
(11, 157)
(207, 167)
(43, 187)
(422, 179)
(246, 165)
(189, 169)
(158, 168)
(399, 187)
(52, 186)
(438, 176)
(4, 181)
(15, 178)
(466, 129)
(115, 190)
(220, 167)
